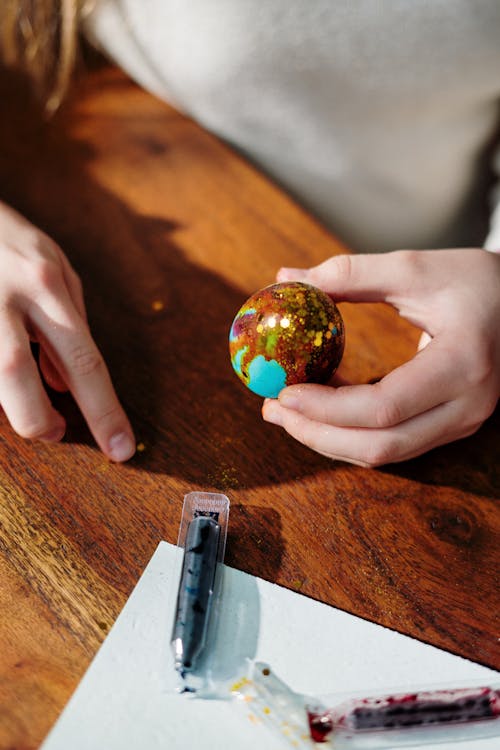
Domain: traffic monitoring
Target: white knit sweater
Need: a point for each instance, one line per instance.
(378, 115)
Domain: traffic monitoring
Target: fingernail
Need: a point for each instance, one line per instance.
(121, 447)
(292, 274)
(54, 435)
(272, 414)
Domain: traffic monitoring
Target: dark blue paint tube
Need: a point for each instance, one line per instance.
(195, 593)
(202, 540)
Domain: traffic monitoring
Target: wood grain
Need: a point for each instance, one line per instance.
(170, 231)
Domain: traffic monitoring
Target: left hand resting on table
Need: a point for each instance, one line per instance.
(444, 393)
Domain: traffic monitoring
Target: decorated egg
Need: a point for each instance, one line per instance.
(285, 334)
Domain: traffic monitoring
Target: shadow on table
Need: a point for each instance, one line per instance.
(471, 465)
(258, 528)
(160, 321)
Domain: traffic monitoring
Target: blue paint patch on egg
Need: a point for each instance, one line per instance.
(266, 377)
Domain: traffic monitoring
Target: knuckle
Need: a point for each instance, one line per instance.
(14, 359)
(387, 412)
(45, 274)
(490, 404)
(412, 260)
(85, 360)
(111, 416)
(381, 452)
(482, 367)
(342, 267)
(411, 266)
(31, 430)
(471, 429)
(481, 413)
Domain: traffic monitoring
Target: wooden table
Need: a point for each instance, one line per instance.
(171, 231)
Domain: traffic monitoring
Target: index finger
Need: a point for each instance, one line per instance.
(68, 339)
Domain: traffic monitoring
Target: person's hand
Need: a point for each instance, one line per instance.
(444, 393)
(41, 300)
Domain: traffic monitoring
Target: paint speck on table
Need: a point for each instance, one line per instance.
(224, 477)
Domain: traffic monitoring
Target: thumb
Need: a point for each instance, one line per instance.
(381, 277)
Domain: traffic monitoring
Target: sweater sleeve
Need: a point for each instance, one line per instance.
(492, 241)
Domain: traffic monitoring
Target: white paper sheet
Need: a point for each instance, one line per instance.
(123, 701)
